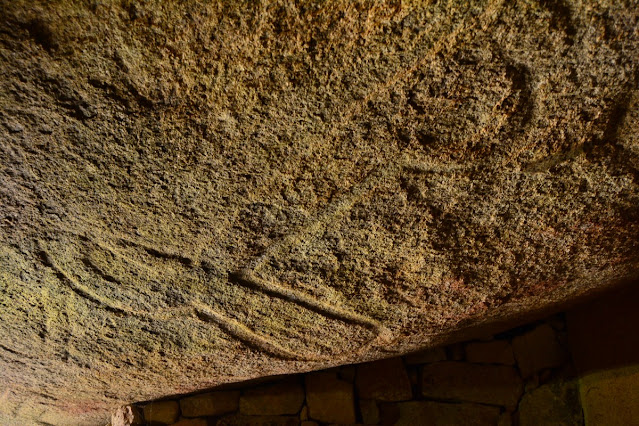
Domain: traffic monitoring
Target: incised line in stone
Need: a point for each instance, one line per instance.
(247, 276)
(392, 167)
(246, 335)
(196, 309)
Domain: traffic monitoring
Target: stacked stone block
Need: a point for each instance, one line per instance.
(521, 377)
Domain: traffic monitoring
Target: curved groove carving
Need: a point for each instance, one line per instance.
(195, 310)
(611, 144)
(161, 254)
(245, 277)
(249, 337)
(333, 211)
(102, 301)
(79, 289)
(248, 276)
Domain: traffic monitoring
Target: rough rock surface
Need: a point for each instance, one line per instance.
(193, 194)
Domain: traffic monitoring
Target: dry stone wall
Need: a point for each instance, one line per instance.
(574, 368)
(525, 376)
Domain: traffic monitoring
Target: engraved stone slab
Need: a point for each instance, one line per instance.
(194, 194)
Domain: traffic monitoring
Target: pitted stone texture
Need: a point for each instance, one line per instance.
(197, 193)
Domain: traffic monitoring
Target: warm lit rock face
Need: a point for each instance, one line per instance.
(195, 194)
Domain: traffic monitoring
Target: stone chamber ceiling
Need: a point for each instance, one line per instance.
(201, 193)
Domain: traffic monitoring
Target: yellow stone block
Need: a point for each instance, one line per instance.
(611, 397)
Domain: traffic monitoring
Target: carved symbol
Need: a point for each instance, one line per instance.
(192, 307)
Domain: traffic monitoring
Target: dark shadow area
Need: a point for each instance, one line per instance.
(603, 333)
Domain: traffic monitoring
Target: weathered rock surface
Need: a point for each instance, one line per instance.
(193, 194)
(126, 416)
